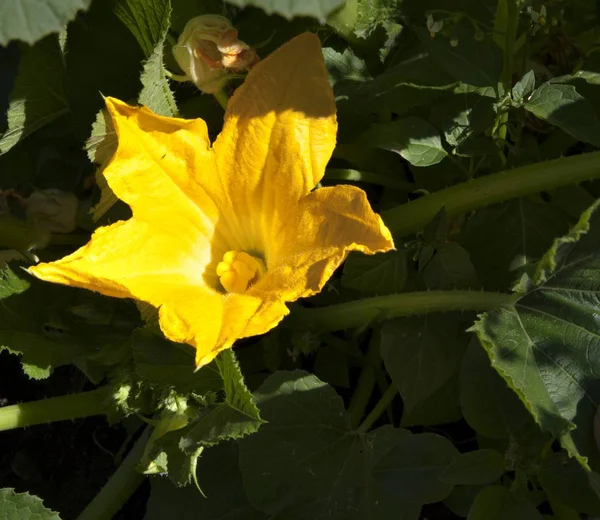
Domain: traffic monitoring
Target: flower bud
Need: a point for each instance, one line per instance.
(52, 209)
(208, 49)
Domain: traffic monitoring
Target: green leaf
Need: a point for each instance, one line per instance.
(344, 67)
(169, 364)
(475, 468)
(414, 139)
(319, 9)
(422, 354)
(524, 86)
(461, 499)
(498, 503)
(234, 418)
(76, 328)
(473, 63)
(99, 39)
(563, 479)
(221, 482)
(441, 407)
(489, 406)
(450, 268)
(407, 85)
(507, 237)
(38, 96)
(10, 283)
(543, 346)
(149, 21)
(30, 20)
(377, 22)
(562, 106)
(381, 274)
(23, 506)
(307, 463)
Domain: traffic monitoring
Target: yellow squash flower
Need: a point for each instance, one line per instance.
(223, 236)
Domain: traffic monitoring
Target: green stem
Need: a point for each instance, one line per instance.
(366, 382)
(491, 189)
(357, 313)
(380, 407)
(54, 409)
(222, 98)
(121, 485)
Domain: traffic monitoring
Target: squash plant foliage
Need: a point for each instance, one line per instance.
(454, 375)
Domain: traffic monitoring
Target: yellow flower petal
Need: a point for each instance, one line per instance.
(278, 135)
(130, 259)
(325, 226)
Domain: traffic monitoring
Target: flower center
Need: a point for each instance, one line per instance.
(238, 270)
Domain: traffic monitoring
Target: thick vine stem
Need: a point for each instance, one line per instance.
(74, 406)
(359, 312)
(491, 189)
(121, 485)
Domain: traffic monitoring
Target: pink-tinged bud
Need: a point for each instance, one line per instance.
(208, 49)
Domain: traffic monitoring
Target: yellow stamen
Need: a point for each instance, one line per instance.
(238, 270)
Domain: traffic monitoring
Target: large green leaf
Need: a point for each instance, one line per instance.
(547, 346)
(563, 479)
(562, 106)
(307, 463)
(499, 503)
(100, 39)
(291, 8)
(38, 96)
(382, 274)
(149, 21)
(23, 506)
(422, 354)
(30, 20)
(509, 236)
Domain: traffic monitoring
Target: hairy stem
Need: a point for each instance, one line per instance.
(360, 312)
(121, 485)
(54, 409)
(222, 98)
(491, 189)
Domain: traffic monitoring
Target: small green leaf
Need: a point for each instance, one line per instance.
(30, 20)
(422, 354)
(319, 9)
(498, 503)
(10, 283)
(563, 479)
(38, 96)
(149, 21)
(23, 506)
(524, 86)
(381, 274)
(344, 67)
(475, 468)
(461, 499)
(542, 347)
(234, 418)
(562, 106)
(414, 139)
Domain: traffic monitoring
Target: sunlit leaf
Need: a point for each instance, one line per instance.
(23, 506)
